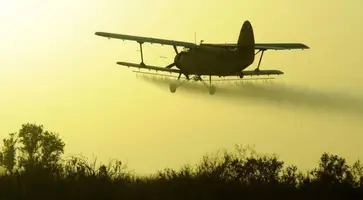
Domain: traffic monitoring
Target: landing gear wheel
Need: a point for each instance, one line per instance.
(212, 90)
(172, 87)
(241, 75)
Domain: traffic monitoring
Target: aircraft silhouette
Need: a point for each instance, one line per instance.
(220, 60)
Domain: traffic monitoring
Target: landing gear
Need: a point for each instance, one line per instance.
(211, 88)
(173, 86)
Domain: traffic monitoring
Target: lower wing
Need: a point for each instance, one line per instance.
(163, 69)
(213, 80)
(149, 67)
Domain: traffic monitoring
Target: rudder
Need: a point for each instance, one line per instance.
(246, 41)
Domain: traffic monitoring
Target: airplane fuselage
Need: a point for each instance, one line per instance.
(209, 60)
(213, 61)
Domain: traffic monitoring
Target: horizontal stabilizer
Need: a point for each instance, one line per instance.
(281, 46)
(262, 72)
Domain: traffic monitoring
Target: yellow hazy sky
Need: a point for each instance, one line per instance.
(54, 71)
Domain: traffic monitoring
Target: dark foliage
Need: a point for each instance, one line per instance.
(38, 172)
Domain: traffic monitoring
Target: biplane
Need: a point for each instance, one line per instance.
(210, 59)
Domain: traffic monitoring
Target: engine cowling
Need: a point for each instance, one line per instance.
(177, 59)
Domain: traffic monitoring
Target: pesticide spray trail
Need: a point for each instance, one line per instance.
(269, 92)
(297, 96)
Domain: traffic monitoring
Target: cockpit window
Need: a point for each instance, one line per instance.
(185, 49)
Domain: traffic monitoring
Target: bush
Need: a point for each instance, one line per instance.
(39, 172)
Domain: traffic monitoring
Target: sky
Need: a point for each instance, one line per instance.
(54, 71)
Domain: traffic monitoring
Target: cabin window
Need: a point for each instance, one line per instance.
(186, 49)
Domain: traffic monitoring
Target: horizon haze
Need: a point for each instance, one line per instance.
(54, 71)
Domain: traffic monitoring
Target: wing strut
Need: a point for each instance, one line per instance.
(142, 55)
(175, 49)
(259, 62)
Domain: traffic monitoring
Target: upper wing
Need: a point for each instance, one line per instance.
(265, 46)
(147, 39)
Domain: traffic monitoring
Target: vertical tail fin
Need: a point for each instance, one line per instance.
(246, 42)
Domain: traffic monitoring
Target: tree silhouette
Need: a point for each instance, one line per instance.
(30, 136)
(52, 147)
(333, 169)
(36, 147)
(8, 154)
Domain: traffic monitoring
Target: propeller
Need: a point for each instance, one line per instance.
(172, 65)
(175, 59)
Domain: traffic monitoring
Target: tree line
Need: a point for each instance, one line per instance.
(34, 167)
